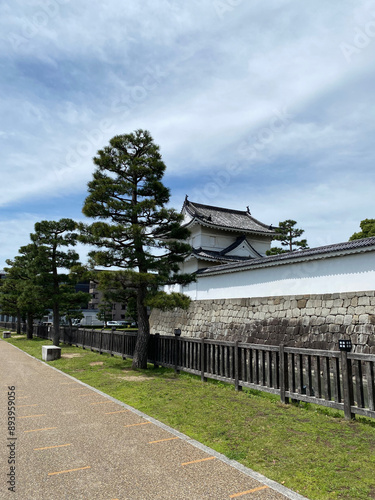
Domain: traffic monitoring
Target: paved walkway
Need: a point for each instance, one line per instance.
(74, 442)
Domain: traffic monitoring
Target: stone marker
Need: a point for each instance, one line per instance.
(7, 335)
(50, 352)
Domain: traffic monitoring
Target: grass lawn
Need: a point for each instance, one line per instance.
(310, 449)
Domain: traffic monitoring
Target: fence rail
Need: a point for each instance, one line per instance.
(12, 325)
(335, 379)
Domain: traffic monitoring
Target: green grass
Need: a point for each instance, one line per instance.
(307, 448)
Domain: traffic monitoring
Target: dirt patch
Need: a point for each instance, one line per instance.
(73, 355)
(95, 363)
(135, 379)
(131, 378)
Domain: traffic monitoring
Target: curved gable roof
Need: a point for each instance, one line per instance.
(225, 218)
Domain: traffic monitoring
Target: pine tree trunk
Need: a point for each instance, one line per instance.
(19, 319)
(29, 331)
(141, 346)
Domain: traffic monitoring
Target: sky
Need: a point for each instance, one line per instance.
(262, 104)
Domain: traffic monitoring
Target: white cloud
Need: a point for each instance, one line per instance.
(208, 85)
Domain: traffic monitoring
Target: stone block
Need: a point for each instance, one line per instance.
(51, 352)
(364, 301)
(348, 319)
(7, 335)
(364, 319)
(334, 328)
(339, 320)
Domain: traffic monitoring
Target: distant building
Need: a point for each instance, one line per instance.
(118, 309)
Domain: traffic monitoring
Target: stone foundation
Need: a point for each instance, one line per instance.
(311, 321)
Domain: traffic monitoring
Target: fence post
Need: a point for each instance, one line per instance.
(83, 338)
(177, 334)
(112, 332)
(347, 382)
(156, 349)
(92, 339)
(237, 385)
(283, 375)
(203, 360)
(101, 342)
(123, 345)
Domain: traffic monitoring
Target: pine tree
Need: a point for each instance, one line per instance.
(286, 233)
(50, 237)
(134, 230)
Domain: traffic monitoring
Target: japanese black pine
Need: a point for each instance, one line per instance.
(134, 230)
(287, 234)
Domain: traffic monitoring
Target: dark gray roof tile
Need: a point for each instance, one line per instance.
(226, 218)
(348, 246)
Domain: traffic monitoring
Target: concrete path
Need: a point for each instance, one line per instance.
(74, 442)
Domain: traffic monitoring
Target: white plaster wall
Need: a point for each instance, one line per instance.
(349, 273)
(260, 246)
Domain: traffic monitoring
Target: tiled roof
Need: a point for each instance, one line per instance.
(216, 256)
(226, 218)
(236, 244)
(222, 256)
(355, 246)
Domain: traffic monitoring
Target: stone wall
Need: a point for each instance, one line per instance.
(311, 321)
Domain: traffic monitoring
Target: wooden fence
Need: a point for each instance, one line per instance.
(336, 379)
(12, 325)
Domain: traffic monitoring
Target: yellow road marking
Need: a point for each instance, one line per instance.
(103, 403)
(78, 389)
(142, 423)
(119, 411)
(31, 416)
(84, 395)
(248, 491)
(161, 440)
(67, 383)
(24, 406)
(201, 460)
(49, 447)
(43, 429)
(70, 470)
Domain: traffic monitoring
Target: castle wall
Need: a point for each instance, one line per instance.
(310, 320)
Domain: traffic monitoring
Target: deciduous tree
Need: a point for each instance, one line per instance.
(22, 295)
(367, 229)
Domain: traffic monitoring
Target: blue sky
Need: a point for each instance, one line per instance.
(266, 104)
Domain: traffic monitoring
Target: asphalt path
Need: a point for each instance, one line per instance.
(71, 442)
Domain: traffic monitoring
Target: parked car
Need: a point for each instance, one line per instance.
(126, 324)
(112, 323)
